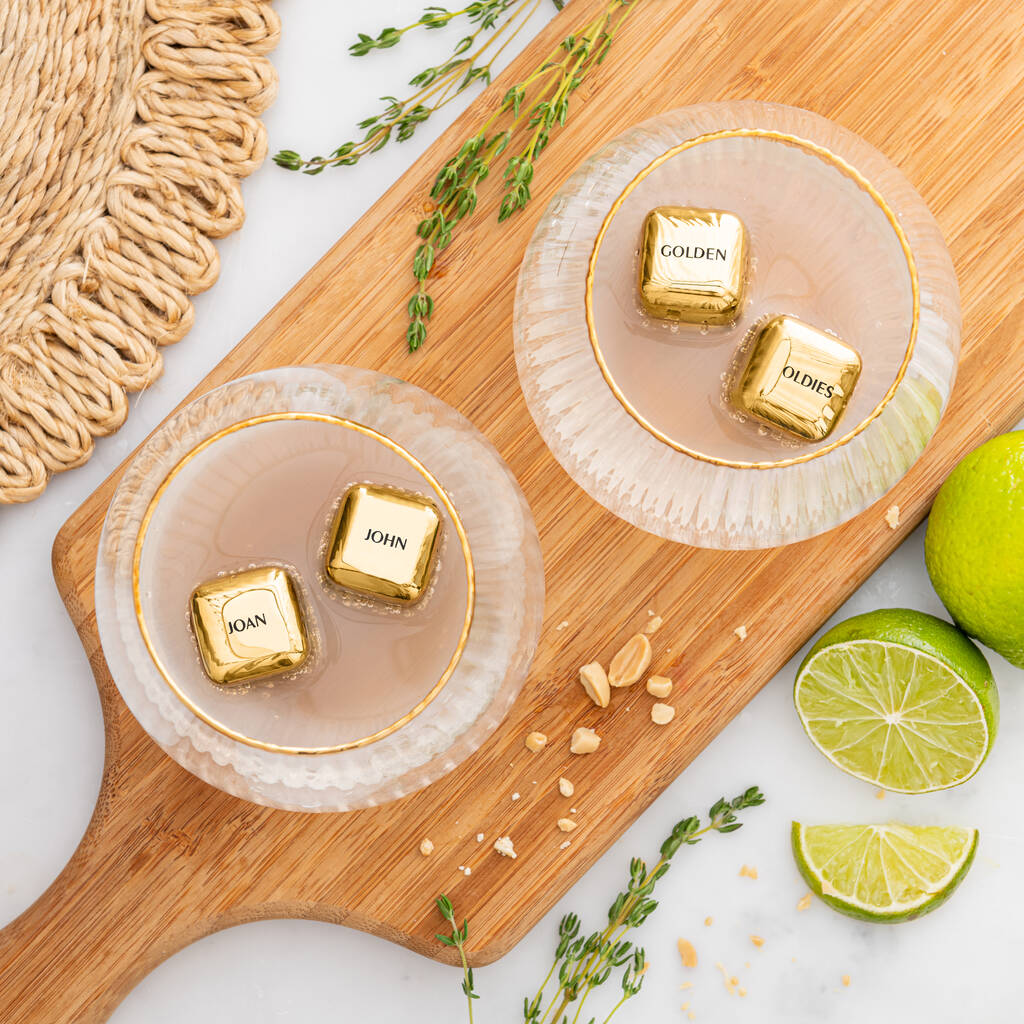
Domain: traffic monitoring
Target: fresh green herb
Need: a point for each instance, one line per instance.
(457, 939)
(583, 963)
(471, 61)
(538, 105)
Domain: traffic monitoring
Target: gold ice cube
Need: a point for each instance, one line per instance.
(383, 543)
(693, 265)
(248, 625)
(797, 378)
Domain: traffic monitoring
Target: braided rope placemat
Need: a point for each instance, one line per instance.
(125, 128)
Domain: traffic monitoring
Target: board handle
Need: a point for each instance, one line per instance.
(137, 890)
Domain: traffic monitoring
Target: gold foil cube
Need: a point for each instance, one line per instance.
(693, 265)
(797, 378)
(248, 625)
(383, 543)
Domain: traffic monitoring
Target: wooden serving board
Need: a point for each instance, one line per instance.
(167, 859)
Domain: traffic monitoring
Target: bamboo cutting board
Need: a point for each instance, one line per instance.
(939, 88)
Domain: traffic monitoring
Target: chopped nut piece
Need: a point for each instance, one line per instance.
(741, 632)
(747, 871)
(504, 846)
(757, 940)
(562, 625)
(566, 824)
(662, 714)
(846, 979)
(564, 846)
(741, 991)
(426, 847)
(631, 662)
(565, 787)
(892, 516)
(653, 625)
(659, 686)
(515, 797)
(805, 902)
(687, 953)
(479, 837)
(708, 921)
(536, 741)
(691, 1016)
(467, 871)
(879, 794)
(584, 741)
(684, 1006)
(595, 681)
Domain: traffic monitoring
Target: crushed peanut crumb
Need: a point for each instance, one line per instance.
(729, 980)
(631, 662)
(565, 787)
(515, 797)
(748, 871)
(503, 845)
(691, 1016)
(594, 680)
(741, 991)
(584, 741)
(467, 871)
(685, 1006)
(687, 953)
(566, 824)
(536, 742)
(565, 845)
(892, 516)
(757, 940)
(662, 714)
(479, 837)
(653, 625)
(708, 921)
(879, 794)
(564, 624)
(659, 686)
(741, 632)
(426, 847)
(846, 979)
(805, 902)
(686, 984)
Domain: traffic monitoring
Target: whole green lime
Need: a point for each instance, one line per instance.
(974, 547)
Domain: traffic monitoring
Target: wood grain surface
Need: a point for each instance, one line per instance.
(939, 88)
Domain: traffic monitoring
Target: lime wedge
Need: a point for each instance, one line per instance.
(883, 873)
(899, 699)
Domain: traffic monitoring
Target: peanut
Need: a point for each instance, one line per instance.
(595, 681)
(662, 714)
(659, 686)
(584, 741)
(536, 741)
(631, 662)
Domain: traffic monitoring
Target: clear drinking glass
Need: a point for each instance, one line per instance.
(389, 697)
(637, 409)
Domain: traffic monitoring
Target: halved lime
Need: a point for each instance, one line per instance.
(899, 699)
(883, 873)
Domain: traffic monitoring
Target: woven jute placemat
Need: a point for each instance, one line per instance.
(125, 129)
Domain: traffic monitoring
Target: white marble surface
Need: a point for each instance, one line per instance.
(958, 964)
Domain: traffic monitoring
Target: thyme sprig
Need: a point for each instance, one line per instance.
(471, 61)
(540, 104)
(457, 939)
(583, 963)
